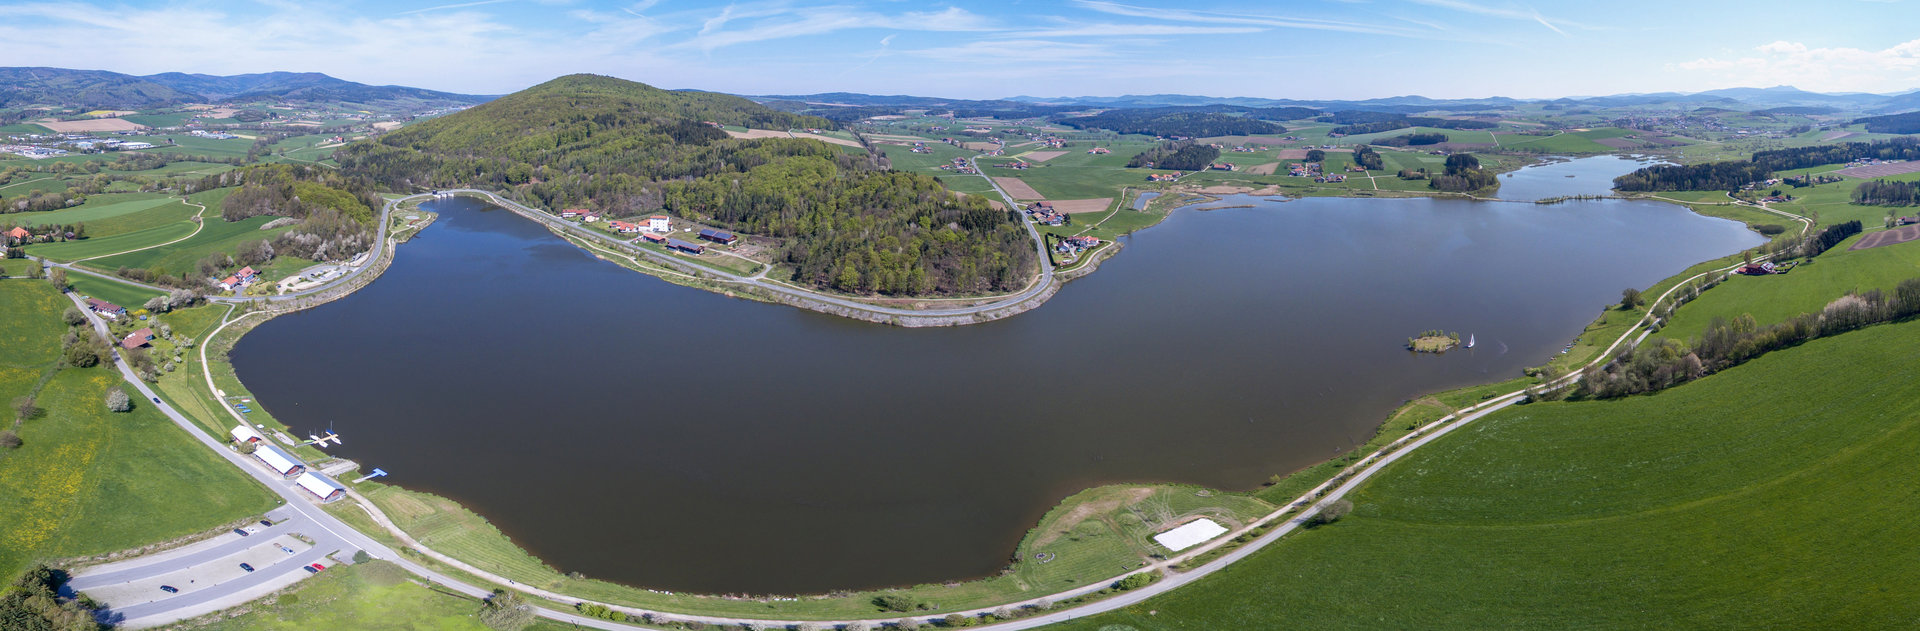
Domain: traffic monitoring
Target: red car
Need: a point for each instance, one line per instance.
(317, 567)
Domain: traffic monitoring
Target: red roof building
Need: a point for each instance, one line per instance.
(137, 339)
(19, 233)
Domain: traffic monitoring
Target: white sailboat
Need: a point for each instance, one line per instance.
(1469, 340)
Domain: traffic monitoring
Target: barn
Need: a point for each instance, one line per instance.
(686, 246)
(321, 486)
(718, 236)
(279, 460)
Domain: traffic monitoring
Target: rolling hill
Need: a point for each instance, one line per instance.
(112, 90)
(842, 221)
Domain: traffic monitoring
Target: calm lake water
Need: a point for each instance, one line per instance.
(667, 437)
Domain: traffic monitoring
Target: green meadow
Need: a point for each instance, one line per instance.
(88, 481)
(1796, 502)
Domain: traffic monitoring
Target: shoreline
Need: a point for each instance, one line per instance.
(1315, 475)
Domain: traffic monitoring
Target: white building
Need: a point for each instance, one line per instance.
(321, 486)
(282, 462)
(659, 223)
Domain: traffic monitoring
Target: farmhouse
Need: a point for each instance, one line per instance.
(105, 308)
(1098, 150)
(718, 236)
(320, 486)
(1222, 166)
(623, 227)
(137, 339)
(1756, 269)
(1083, 241)
(571, 213)
(19, 233)
(686, 246)
(280, 461)
(659, 223)
(654, 238)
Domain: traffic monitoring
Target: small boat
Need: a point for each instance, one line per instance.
(1469, 340)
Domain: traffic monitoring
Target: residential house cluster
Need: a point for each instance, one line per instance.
(1304, 169)
(1222, 166)
(1163, 177)
(1331, 178)
(959, 165)
(1018, 165)
(1042, 212)
(106, 309)
(583, 214)
(1076, 244)
(1099, 151)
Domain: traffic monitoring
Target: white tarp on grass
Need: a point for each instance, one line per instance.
(1190, 535)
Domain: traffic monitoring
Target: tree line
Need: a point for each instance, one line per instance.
(1733, 174)
(1181, 155)
(1414, 140)
(1905, 123)
(1369, 159)
(1885, 193)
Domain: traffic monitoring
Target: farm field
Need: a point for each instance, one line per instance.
(115, 213)
(97, 246)
(86, 480)
(1563, 515)
(1807, 289)
(218, 236)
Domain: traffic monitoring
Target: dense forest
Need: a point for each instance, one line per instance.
(1414, 139)
(1907, 123)
(1886, 193)
(1355, 122)
(1184, 155)
(1463, 174)
(1190, 122)
(1736, 173)
(628, 149)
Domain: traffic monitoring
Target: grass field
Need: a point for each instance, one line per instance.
(1091, 536)
(97, 246)
(121, 294)
(89, 481)
(218, 236)
(374, 596)
(1795, 501)
(114, 214)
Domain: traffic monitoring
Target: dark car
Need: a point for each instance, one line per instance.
(246, 567)
(309, 569)
(156, 399)
(240, 532)
(170, 589)
(266, 523)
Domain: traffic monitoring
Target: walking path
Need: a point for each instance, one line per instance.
(199, 223)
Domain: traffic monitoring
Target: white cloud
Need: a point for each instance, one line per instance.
(1211, 17)
(780, 23)
(1893, 68)
(1506, 12)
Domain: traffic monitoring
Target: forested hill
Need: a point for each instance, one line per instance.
(629, 149)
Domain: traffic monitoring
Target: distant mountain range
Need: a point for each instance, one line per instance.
(20, 87)
(1730, 98)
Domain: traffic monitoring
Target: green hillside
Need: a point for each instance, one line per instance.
(842, 221)
(1775, 495)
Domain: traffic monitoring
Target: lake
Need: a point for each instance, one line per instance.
(666, 437)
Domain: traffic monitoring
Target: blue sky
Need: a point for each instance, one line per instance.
(1278, 49)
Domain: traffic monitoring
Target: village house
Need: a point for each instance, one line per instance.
(19, 234)
(1083, 241)
(1099, 150)
(659, 223)
(623, 227)
(571, 213)
(137, 339)
(1222, 166)
(105, 308)
(229, 283)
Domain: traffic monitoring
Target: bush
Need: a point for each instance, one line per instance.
(505, 611)
(896, 602)
(9, 440)
(1134, 581)
(118, 401)
(74, 317)
(954, 620)
(1330, 513)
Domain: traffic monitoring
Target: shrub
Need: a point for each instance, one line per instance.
(1134, 581)
(1330, 513)
(118, 401)
(9, 440)
(73, 317)
(896, 602)
(505, 611)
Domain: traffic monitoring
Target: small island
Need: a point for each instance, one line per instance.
(1433, 341)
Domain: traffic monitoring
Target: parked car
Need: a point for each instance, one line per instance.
(286, 549)
(266, 523)
(156, 399)
(309, 569)
(246, 567)
(170, 589)
(317, 567)
(240, 532)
